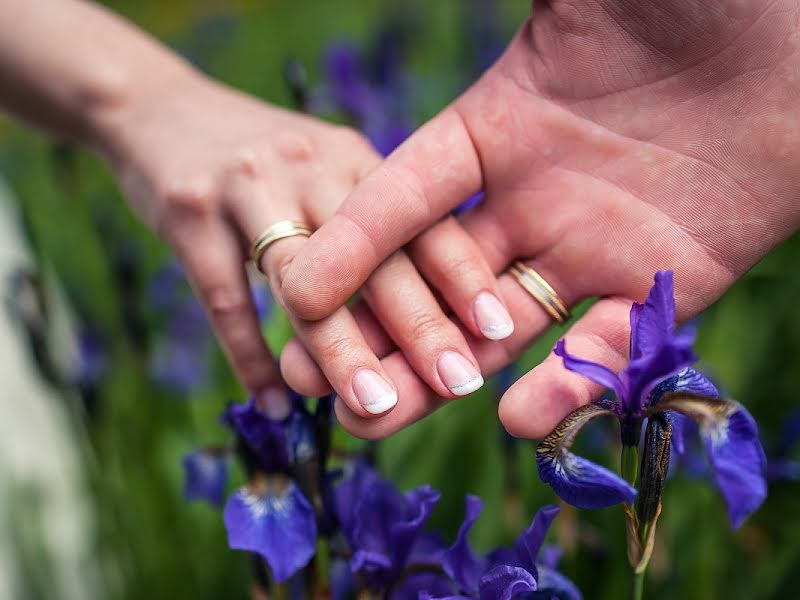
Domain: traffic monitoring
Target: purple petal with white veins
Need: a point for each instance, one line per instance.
(730, 437)
(576, 480)
(591, 370)
(504, 583)
(271, 517)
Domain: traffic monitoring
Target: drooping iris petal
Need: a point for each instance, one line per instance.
(270, 516)
(460, 562)
(576, 480)
(553, 584)
(503, 583)
(206, 476)
(591, 370)
(730, 437)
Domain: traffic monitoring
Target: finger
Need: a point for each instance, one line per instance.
(530, 322)
(217, 274)
(428, 175)
(430, 341)
(335, 343)
(448, 257)
(535, 404)
(302, 374)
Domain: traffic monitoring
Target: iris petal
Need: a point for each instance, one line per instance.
(503, 583)
(530, 541)
(272, 518)
(654, 320)
(206, 476)
(553, 584)
(591, 370)
(404, 532)
(578, 481)
(459, 561)
(730, 437)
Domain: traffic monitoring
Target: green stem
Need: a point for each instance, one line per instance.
(638, 586)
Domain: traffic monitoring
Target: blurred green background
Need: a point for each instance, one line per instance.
(148, 543)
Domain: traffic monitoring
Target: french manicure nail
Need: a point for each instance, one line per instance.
(373, 392)
(458, 374)
(492, 317)
(274, 403)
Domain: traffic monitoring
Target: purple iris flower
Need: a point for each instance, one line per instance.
(657, 380)
(505, 573)
(206, 475)
(271, 515)
(390, 553)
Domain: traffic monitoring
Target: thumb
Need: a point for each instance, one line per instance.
(432, 172)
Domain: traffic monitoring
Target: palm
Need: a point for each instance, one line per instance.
(613, 138)
(675, 149)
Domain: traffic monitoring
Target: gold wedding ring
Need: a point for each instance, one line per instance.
(541, 291)
(275, 232)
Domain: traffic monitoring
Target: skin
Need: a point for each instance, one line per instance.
(209, 169)
(613, 139)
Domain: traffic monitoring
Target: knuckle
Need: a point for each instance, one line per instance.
(296, 146)
(187, 198)
(423, 325)
(249, 162)
(338, 349)
(461, 268)
(224, 304)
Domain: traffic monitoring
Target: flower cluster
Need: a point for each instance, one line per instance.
(376, 535)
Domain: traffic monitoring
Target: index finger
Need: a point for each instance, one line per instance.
(433, 171)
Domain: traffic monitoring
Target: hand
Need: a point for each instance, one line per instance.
(210, 169)
(612, 139)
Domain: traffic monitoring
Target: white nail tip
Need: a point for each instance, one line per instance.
(467, 387)
(497, 332)
(381, 405)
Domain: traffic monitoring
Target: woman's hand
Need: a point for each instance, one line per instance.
(612, 139)
(209, 169)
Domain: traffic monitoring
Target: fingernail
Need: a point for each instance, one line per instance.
(492, 317)
(274, 403)
(373, 392)
(458, 374)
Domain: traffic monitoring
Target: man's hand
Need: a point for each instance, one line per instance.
(612, 139)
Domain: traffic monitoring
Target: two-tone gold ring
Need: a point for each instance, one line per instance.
(541, 291)
(275, 232)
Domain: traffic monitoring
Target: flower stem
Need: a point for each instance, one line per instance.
(638, 586)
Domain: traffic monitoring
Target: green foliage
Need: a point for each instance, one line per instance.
(154, 545)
